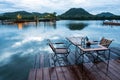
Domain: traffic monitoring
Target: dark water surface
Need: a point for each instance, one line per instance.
(19, 43)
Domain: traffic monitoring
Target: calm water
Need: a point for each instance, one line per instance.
(19, 43)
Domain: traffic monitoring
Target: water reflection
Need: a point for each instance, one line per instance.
(25, 44)
(23, 25)
(20, 26)
(50, 24)
(76, 26)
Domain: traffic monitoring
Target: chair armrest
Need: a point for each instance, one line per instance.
(61, 48)
(59, 43)
(96, 41)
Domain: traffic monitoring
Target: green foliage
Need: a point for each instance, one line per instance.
(26, 15)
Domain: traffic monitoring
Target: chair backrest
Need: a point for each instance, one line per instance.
(51, 45)
(105, 42)
(102, 41)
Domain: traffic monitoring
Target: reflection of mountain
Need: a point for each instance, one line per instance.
(76, 26)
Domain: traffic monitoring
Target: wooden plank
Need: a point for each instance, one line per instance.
(51, 60)
(77, 72)
(35, 62)
(32, 74)
(115, 70)
(53, 73)
(110, 73)
(46, 75)
(117, 48)
(39, 74)
(60, 73)
(46, 60)
(115, 65)
(73, 72)
(118, 61)
(91, 73)
(41, 61)
(113, 56)
(68, 74)
(102, 74)
(115, 51)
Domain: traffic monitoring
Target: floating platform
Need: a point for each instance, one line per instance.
(111, 23)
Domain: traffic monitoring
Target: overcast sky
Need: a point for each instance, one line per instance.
(60, 6)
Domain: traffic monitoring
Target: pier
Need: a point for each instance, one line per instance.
(44, 68)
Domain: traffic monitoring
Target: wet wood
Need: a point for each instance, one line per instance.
(32, 74)
(90, 72)
(44, 69)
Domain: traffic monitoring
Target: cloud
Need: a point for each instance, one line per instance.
(26, 40)
(58, 5)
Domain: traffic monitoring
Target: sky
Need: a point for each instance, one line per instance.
(60, 6)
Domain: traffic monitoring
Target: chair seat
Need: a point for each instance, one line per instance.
(61, 51)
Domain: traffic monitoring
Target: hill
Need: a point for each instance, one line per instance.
(25, 15)
(76, 13)
(105, 14)
(13, 15)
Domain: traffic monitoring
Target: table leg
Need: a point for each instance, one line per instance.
(108, 60)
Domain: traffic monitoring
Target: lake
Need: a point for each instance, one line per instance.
(19, 43)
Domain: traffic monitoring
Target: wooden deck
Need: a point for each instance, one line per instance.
(45, 69)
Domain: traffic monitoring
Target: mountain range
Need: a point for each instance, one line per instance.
(73, 13)
(80, 13)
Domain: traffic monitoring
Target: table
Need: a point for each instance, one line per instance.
(93, 48)
(76, 41)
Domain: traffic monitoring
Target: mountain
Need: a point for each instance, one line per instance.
(105, 14)
(25, 15)
(36, 13)
(76, 13)
(13, 15)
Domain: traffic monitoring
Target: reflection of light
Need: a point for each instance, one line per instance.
(20, 25)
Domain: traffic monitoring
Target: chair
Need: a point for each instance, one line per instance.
(60, 52)
(106, 43)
